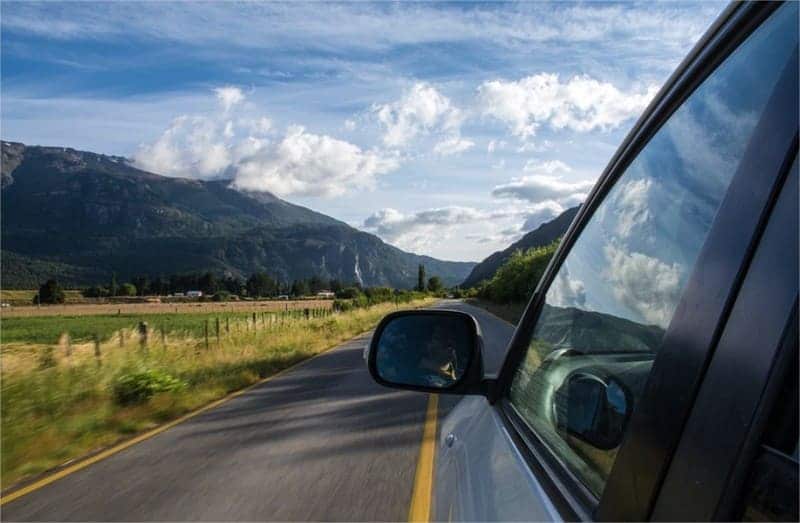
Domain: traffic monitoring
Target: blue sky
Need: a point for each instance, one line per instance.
(447, 129)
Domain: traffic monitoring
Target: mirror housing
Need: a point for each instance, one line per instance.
(428, 350)
(592, 409)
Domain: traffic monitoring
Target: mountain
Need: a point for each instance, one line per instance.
(79, 216)
(544, 234)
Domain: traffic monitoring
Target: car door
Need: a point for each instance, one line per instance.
(606, 363)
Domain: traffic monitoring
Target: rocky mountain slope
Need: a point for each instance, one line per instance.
(79, 216)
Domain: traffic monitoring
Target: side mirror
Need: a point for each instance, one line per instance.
(595, 410)
(428, 350)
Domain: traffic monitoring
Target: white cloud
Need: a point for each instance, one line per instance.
(579, 104)
(495, 145)
(541, 212)
(244, 150)
(453, 145)
(419, 229)
(229, 96)
(349, 124)
(539, 187)
(422, 109)
(645, 285)
(308, 164)
(566, 291)
(548, 167)
(631, 205)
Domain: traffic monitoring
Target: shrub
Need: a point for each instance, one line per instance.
(348, 293)
(138, 385)
(516, 279)
(221, 296)
(435, 284)
(50, 292)
(126, 289)
(95, 291)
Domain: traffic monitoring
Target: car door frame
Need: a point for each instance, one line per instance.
(656, 425)
(725, 429)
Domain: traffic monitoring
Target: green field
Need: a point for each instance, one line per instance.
(48, 329)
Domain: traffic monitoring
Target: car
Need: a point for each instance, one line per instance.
(654, 372)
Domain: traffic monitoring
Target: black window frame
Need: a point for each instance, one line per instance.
(634, 482)
(757, 349)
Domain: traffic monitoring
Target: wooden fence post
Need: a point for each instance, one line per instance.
(97, 355)
(66, 343)
(122, 338)
(206, 332)
(144, 333)
(217, 324)
(227, 325)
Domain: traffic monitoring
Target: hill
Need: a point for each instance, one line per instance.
(541, 236)
(78, 216)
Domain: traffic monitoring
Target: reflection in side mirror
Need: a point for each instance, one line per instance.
(593, 410)
(424, 350)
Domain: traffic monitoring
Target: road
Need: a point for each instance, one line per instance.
(320, 442)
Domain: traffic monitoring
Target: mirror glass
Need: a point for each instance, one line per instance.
(425, 350)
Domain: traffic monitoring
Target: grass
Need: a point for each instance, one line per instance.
(58, 406)
(48, 329)
(25, 297)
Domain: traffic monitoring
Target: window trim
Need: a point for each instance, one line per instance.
(736, 23)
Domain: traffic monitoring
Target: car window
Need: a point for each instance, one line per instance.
(770, 491)
(612, 299)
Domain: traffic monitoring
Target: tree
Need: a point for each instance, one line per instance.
(435, 284)
(126, 289)
(260, 284)
(234, 285)
(299, 288)
(421, 278)
(50, 292)
(316, 284)
(141, 283)
(208, 283)
(95, 291)
(112, 287)
(335, 285)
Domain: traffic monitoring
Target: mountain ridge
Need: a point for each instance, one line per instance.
(542, 235)
(89, 213)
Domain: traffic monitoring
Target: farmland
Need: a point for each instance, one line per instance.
(62, 398)
(76, 307)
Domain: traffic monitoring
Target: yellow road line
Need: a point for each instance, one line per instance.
(420, 510)
(36, 485)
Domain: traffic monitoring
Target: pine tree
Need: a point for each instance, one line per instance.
(421, 278)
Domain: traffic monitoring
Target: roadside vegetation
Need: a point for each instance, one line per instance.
(63, 400)
(507, 293)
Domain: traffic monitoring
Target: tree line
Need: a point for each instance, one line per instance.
(257, 285)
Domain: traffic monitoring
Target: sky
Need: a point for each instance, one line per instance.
(447, 129)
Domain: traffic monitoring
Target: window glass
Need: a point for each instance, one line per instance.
(612, 299)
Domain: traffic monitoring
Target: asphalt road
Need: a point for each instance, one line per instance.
(321, 442)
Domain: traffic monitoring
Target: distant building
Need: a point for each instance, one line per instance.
(283, 297)
(178, 295)
(326, 294)
(194, 294)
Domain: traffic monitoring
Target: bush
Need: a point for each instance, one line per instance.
(50, 292)
(515, 280)
(348, 293)
(126, 289)
(221, 296)
(138, 385)
(95, 291)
